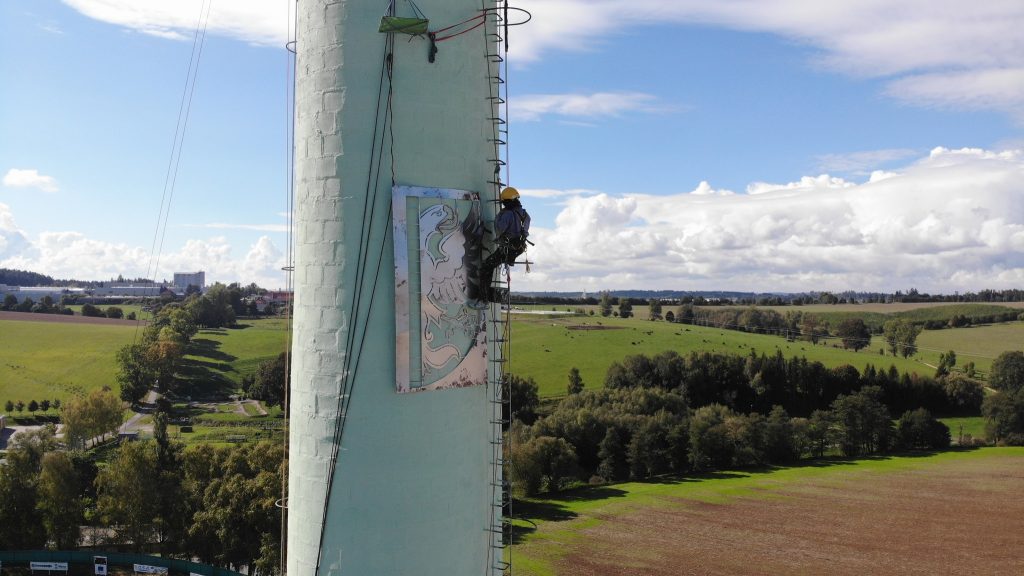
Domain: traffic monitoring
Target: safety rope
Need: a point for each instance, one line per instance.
(350, 369)
(174, 162)
(289, 268)
(472, 23)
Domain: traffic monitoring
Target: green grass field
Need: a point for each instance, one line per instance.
(545, 347)
(972, 425)
(872, 314)
(546, 530)
(57, 360)
(978, 344)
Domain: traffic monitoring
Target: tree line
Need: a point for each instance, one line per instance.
(707, 411)
(32, 405)
(156, 357)
(155, 496)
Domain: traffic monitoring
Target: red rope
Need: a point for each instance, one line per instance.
(480, 17)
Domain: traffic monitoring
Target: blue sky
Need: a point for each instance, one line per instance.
(774, 145)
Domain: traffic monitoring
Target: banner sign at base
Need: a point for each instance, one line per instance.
(62, 566)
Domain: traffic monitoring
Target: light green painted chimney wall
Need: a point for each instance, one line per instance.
(412, 492)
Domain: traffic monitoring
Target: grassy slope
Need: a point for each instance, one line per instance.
(978, 344)
(544, 526)
(222, 357)
(545, 349)
(55, 360)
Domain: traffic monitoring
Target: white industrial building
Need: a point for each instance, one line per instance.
(182, 280)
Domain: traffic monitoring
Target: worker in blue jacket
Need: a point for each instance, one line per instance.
(511, 230)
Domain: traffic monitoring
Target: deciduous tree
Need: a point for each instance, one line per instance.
(126, 489)
(59, 503)
(917, 430)
(655, 309)
(854, 333)
(901, 337)
(523, 398)
(1007, 373)
(21, 525)
(135, 373)
(575, 381)
(270, 381)
(625, 308)
(605, 304)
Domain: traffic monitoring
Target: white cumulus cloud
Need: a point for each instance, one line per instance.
(953, 220)
(262, 22)
(71, 254)
(530, 107)
(29, 178)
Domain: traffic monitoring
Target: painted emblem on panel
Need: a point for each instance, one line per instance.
(441, 339)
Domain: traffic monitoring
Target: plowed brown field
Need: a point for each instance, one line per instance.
(958, 517)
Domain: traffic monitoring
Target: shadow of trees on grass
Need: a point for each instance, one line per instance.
(204, 372)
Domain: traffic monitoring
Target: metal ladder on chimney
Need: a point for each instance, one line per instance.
(499, 527)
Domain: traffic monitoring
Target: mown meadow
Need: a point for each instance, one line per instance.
(55, 360)
(546, 347)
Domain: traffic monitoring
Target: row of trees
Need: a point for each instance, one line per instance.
(32, 405)
(46, 305)
(215, 504)
(756, 382)
(854, 333)
(91, 418)
(154, 360)
(708, 411)
(636, 433)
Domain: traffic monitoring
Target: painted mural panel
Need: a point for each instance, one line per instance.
(440, 335)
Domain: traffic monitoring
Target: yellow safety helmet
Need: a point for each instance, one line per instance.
(509, 193)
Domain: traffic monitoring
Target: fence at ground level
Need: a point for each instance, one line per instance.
(15, 557)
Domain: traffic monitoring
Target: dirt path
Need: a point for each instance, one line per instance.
(948, 519)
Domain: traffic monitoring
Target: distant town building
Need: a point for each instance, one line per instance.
(128, 290)
(37, 293)
(182, 280)
(273, 299)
